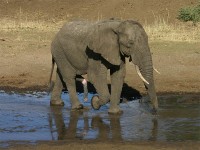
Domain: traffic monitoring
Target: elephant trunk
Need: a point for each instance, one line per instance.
(146, 73)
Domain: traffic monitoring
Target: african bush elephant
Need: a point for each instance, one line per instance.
(92, 48)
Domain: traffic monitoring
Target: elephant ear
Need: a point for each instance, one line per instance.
(104, 41)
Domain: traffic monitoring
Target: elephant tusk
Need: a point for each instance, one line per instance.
(140, 75)
(156, 70)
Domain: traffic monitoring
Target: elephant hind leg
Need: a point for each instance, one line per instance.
(71, 86)
(57, 90)
(68, 74)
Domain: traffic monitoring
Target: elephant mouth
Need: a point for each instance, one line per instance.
(125, 50)
(125, 55)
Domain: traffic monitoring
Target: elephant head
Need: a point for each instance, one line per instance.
(118, 39)
(133, 42)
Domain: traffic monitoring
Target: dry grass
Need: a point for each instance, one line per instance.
(17, 25)
(21, 21)
(160, 30)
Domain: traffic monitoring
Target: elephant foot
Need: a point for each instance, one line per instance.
(144, 100)
(154, 111)
(115, 110)
(56, 103)
(77, 107)
(155, 106)
(95, 103)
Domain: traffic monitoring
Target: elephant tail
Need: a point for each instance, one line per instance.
(51, 83)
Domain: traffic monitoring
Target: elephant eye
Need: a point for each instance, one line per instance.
(131, 42)
(124, 36)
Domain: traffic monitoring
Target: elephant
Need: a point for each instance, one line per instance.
(96, 48)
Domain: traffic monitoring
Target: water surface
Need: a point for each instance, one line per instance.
(28, 117)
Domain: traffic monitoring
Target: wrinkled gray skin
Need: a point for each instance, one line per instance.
(93, 48)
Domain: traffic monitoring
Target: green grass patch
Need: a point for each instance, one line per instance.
(190, 13)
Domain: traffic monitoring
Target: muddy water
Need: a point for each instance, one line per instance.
(29, 118)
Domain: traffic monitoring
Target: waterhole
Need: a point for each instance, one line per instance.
(28, 117)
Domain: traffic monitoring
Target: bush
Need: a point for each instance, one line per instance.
(191, 13)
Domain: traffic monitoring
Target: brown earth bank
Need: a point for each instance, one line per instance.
(110, 145)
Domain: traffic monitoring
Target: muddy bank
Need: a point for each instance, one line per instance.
(109, 145)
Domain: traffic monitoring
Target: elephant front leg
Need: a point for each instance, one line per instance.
(56, 93)
(98, 77)
(103, 93)
(117, 80)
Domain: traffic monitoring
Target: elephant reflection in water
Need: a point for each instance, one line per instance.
(105, 130)
(70, 132)
(62, 130)
(154, 130)
(114, 131)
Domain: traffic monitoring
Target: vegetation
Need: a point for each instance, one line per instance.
(191, 13)
(162, 30)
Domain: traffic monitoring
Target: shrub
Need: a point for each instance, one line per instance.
(191, 13)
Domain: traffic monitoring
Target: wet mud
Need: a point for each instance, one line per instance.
(28, 117)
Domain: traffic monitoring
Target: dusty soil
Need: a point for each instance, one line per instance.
(54, 10)
(25, 58)
(111, 145)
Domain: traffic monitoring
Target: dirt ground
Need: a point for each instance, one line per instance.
(25, 59)
(55, 10)
(111, 145)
